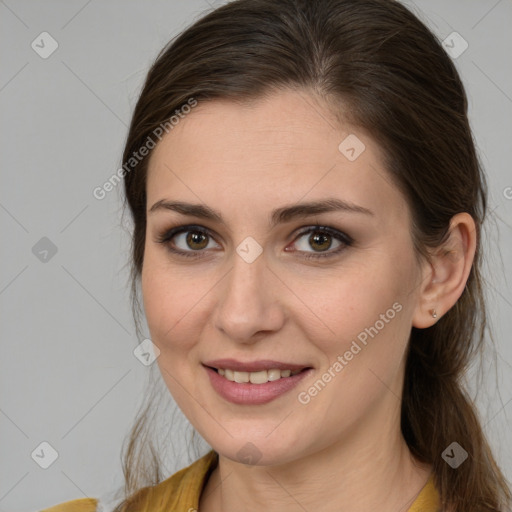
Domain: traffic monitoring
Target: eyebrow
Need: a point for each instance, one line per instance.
(279, 215)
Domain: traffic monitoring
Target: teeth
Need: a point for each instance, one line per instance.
(260, 377)
(274, 374)
(241, 377)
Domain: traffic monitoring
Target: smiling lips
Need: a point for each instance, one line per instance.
(253, 383)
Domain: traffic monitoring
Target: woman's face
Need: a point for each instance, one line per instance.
(272, 282)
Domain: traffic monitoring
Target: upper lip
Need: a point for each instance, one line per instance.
(253, 366)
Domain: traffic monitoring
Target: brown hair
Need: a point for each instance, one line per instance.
(395, 81)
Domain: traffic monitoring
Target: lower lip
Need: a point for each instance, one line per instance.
(253, 394)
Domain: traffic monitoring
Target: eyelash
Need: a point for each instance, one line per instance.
(346, 240)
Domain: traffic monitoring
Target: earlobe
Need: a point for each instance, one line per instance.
(450, 265)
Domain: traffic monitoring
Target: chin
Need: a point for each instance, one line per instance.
(258, 449)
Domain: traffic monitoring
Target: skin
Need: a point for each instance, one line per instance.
(343, 450)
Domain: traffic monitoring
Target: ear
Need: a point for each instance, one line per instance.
(445, 276)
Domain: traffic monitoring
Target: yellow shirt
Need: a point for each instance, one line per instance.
(181, 492)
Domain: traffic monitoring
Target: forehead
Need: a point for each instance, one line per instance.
(282, 148)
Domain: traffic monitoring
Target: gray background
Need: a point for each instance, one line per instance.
(68, 373)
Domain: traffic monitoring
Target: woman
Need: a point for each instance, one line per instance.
(307, 205)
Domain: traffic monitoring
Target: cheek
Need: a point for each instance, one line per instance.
(175, 301)
(166, 299)
(335, 307)
(368, 311)
(357, 298)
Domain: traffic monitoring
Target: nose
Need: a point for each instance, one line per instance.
(249, 305)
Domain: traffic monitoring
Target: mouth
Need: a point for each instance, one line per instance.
(254, 383)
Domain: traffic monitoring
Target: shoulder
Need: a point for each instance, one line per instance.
(80, 505)
(183, 487)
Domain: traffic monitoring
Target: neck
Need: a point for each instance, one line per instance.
(369, 469)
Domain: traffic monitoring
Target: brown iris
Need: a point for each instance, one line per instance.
(322, 241)
(195, 237)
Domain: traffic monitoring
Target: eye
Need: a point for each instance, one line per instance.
(191, 241)
(321, 239)
(186, 241)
